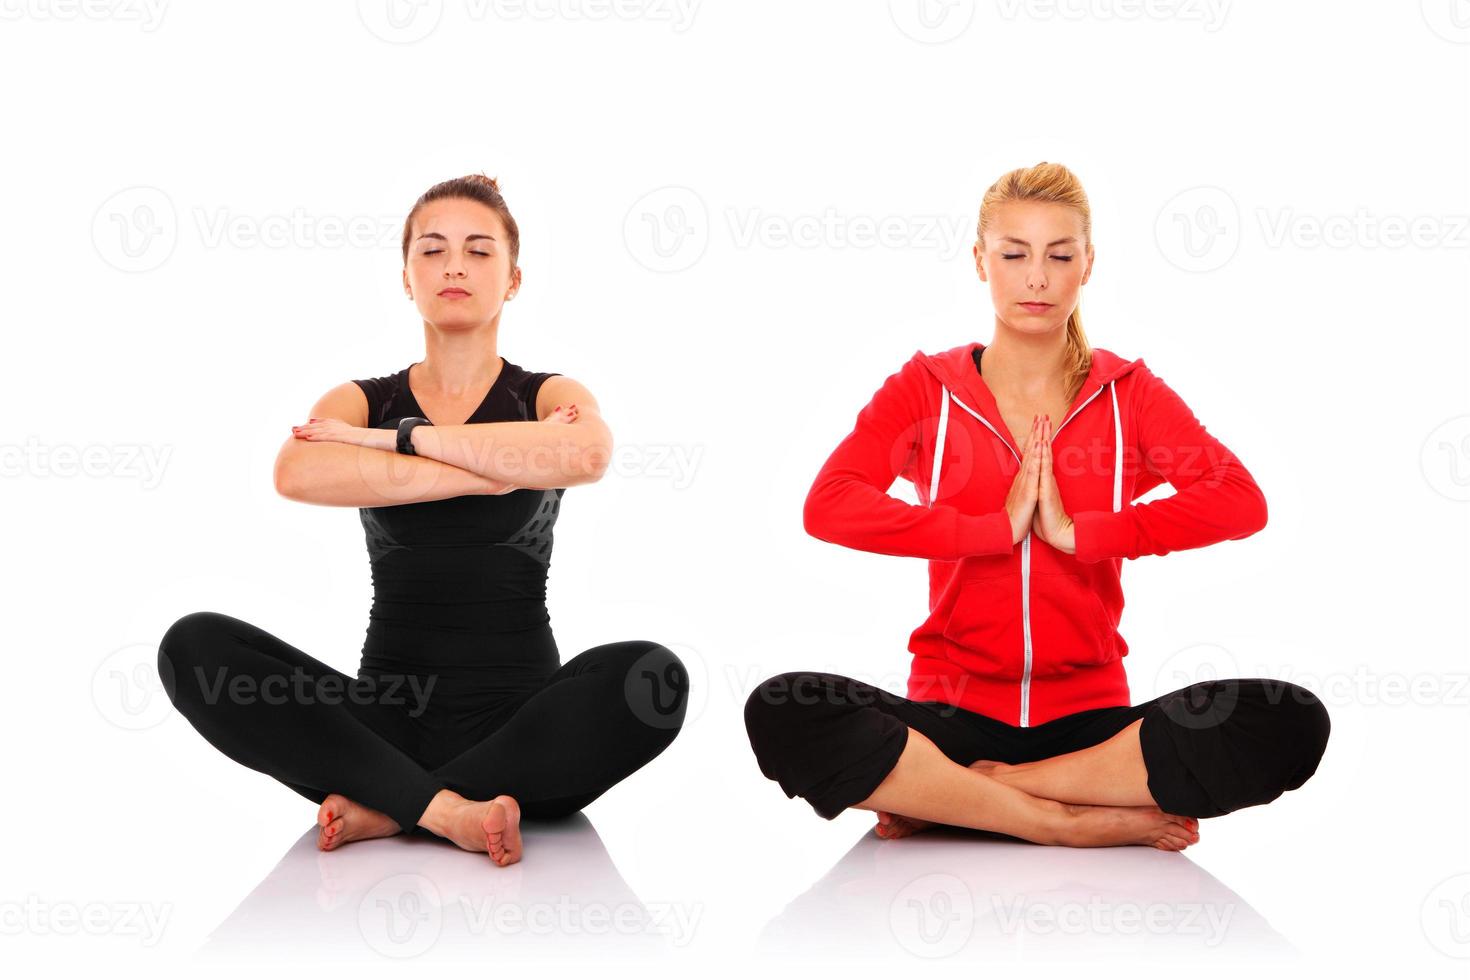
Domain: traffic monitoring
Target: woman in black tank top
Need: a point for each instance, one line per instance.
(462, 717)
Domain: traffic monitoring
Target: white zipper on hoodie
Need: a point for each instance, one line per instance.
(944, 397)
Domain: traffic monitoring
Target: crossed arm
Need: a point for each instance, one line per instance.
(336, 460)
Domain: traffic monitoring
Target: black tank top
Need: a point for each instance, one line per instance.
(460, 584)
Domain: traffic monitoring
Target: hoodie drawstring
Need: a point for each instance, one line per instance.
(1117, 449)
(944, 397)
(939, 443)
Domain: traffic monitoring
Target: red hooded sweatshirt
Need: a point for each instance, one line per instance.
(1023, 632)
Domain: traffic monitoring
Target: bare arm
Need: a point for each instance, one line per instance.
(528, 454)
(340, 475)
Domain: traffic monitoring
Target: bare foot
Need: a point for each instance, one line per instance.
(492, 826)
(1177, 837)
(1091, 826)
(342, 820)
(1108, 826)
(502, 825)
(892, 826)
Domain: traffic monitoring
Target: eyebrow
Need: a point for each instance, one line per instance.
(468, 238)
(1060, 241)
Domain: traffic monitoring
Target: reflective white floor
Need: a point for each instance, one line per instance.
(227, 873)
(932, 896)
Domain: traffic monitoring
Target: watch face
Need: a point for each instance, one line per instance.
(405, 429)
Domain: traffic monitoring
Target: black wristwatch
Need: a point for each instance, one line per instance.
(405, 429)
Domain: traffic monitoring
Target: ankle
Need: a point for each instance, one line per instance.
(437, 814)
(1059, 823)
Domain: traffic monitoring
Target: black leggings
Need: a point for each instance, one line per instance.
(391, 741)
(1209, 748)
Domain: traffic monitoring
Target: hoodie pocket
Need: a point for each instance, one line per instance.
(1069, 626)
(983, 632)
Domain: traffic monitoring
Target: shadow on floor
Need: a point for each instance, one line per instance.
(406, 896)
(951, 893)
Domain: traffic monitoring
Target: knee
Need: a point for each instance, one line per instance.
(770, 707)
(656, 685)
(1305, 727)
(191, 643)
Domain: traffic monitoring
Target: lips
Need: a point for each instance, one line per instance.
(453, 292)
(1037, 307)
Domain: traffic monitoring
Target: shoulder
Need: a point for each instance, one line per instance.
(526, 385)
(381, 393)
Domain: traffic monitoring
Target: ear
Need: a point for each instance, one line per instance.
(979, 262)
(515, 282)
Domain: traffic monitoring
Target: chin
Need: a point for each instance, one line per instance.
(1034, 325)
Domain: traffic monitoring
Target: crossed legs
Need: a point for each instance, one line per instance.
(599, 717)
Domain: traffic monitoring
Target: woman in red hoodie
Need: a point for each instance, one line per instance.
(1017, 718)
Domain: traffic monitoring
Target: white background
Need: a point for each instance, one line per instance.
(178, 294)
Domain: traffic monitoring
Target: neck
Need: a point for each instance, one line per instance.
(460, 362)
(1024, 362)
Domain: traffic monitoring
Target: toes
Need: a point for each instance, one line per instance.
(331, 834)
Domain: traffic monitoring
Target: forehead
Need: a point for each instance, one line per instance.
(456, 218)
(1037, 222)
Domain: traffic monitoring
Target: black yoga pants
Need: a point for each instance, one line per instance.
(1209, 748)
(392, 741)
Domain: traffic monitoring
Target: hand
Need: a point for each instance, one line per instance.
(562, 415)
(335, 430)
(1050, 522)
(1021, 501)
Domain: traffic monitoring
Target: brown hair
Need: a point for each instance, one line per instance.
(1051, 183)
(474, 187)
